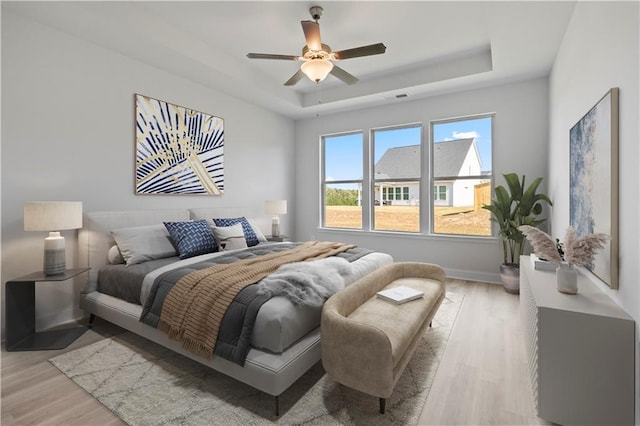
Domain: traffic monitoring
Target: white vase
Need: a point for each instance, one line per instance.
(567, 279)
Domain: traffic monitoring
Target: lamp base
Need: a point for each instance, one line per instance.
(275, 226)
(54, 254)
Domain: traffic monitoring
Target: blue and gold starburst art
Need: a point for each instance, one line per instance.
(178, 150)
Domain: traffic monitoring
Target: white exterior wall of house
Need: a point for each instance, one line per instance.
(464, 192)
(471, 165)
(460, 193)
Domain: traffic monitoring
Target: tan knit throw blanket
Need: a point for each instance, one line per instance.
(194, 307)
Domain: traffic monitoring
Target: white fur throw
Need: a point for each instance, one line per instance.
(308, 283)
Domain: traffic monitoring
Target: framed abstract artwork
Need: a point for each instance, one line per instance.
(178, 150)
(594, 182)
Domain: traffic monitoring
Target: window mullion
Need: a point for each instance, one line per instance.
(367, 159)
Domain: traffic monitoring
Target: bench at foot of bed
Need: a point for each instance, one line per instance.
(367, 341)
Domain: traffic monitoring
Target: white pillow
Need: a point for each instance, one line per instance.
(143, 243)
(257, 231)
(114, 256)
(229, 237)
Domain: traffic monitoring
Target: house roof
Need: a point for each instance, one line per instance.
(449, 156)
(403, 162)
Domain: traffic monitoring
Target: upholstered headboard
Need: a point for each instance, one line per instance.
(95, 238)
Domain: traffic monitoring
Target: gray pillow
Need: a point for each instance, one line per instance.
(143, 243)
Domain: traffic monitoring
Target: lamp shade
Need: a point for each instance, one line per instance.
(52, 215)
(275, 206)
(317, 69)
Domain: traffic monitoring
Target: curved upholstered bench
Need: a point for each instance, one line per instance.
(367, 341)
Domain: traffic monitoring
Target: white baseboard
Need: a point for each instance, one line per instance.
(461, 274)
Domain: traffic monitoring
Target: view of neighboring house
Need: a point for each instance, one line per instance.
(452, 160)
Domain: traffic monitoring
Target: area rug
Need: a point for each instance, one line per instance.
(146, 384)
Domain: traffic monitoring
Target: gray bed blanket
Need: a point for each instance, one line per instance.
(233, 341)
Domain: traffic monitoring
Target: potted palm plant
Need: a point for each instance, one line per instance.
(510, 209)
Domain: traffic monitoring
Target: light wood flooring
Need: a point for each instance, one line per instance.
(482, 378)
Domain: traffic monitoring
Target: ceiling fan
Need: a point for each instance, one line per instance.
(317, 58)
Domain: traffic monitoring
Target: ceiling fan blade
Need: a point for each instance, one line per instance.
(343, 75)
(270, 56)
(312, 34)
(372, 49)
(295, 78)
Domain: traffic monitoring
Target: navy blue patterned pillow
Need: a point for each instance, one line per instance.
(192, 238)
(249, 235)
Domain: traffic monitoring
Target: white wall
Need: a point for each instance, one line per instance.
(599, 51)
(68, 134)
(520, 145)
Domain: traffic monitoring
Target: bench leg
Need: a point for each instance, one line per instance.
(382, 403)
(92, 318)
(277, 406)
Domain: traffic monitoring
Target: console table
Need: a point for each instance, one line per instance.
(581, 351)
(20, 310)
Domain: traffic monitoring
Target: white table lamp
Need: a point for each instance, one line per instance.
(53, 216)
(275, 207)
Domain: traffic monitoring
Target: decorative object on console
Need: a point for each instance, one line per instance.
(594, 178)
(566, 279)
(275, 207)
(542, 264)
(178, 150)
(53, 216)
(519, 206)
(575, 251)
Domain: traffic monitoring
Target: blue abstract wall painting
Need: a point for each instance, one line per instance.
(178, 150)
(594, 182)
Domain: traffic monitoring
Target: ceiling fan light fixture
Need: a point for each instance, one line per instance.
(317, 69)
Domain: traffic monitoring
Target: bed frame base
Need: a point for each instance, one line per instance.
(269, 373)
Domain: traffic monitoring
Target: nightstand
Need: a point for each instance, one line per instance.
(20, 311)
(278, 239)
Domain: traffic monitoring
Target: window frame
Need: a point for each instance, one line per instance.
(433, 179)
(426, 182)
(324, 182)
(374, 181)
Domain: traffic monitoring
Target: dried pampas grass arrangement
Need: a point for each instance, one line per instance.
(578, 251)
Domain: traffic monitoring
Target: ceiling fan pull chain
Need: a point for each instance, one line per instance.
(319, 99)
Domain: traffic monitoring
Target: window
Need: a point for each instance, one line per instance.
(439, 193)
(379, 183)
(397, 193)
(342, 181)
(397, 156)
(461, 175)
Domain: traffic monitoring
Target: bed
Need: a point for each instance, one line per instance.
(272, 363)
